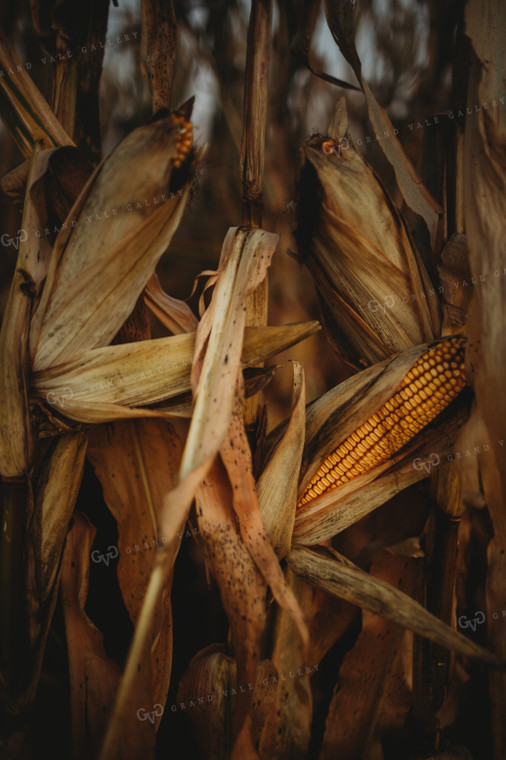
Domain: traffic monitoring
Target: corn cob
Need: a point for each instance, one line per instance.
(433, 381)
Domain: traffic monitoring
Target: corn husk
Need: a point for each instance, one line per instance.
(375, 294)
(15, 427)
(212, 694)
(175, 314)
(205, 688)
(277, 485)
(234, 570)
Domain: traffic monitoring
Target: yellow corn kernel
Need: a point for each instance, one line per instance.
(431, 384)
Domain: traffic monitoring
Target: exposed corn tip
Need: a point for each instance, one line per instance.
(185, 141)
(431, 384)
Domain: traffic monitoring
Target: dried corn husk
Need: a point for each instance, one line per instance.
(15, 428)
(212, 694)
(137, 462)
(242, 587)
(277, 485)
(205, 689)
(93, 676)
(176, 315)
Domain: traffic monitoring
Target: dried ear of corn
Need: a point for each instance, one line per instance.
(112, 239)
(341, 21)
(365, 439)
(432, 383)
(375, 294)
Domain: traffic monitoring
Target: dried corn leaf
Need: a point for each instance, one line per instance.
(244, 261)
(57, 487)
(334, 574)
(31, 268)
(129, 701)
(398, 697)
(13, 184)
(103, 383)
(242, 587)
(26, 112)
(366, 671)
(330, 620)
(245, 258)
(137, 462)
(236, 456)
(176, 315)
(37, 547)
(277, 486)
(286, 729)
(255, 380)
(483, 187)
(107, 251)
(93, 677)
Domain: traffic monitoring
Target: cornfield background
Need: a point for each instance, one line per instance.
(252, 435)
